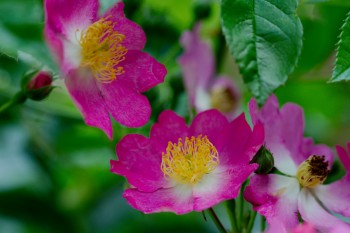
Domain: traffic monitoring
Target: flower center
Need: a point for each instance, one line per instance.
(102, 50)
(223, 99)
(188, 162)
(313, 171)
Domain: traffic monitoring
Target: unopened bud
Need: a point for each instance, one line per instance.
(39, 85)
(265, 160)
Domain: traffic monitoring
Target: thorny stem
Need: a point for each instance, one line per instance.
(217, 221)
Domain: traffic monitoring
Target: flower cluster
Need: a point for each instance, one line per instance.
(192, 167)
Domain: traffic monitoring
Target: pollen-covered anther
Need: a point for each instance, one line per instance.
(102, 50)
(187, 162)
(313, 171)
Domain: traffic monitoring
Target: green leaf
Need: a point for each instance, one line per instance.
(179, 12)
(321, 30)
(328, 2)
(265, 37)
(341, 70)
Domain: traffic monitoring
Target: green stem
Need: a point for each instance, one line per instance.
(17, 99)
(263, 223)
(217, 221)
(251, 222)
(231, 210)
(241, 207)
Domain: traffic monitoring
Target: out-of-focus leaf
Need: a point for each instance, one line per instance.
(265, 37)
(21, 30)
(19, 11)
(36, 212)
(179, 12)
(7, 43)
(321, 25)
(341, 70)
(330, 2)
(16, 168)
(15, 43)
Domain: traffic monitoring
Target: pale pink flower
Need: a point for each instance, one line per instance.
(281, 197)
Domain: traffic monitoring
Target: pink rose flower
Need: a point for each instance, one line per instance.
(101, 61)
(205, 90)
(281, 197)
(182, 168)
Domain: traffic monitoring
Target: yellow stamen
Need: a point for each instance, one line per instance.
(102, 50)
(188, 162)
(313, 171)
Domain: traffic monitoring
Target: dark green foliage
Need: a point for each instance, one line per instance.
(265, 37)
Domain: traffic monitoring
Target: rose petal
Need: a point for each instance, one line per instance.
(237, 144)
(67, 17)
(312, 212)
(127, 106)
(340, 229)
(305, 228)
(275, 197)
(202, 99)
(336, 196)
(135, 38)
(292, 119)
(54, 44)
(209, 123)
(140, 163)
(197, 62)
(308, 148)
(220, 186)
(141, 71)
(86, 96)
(344, 156)
(253, 110)
(177, 199)
(169, 128)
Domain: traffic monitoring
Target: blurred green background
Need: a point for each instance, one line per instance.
(54, 170)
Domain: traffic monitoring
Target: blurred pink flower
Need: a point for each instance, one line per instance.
(182, 168)
(205, 91)
(102, 63)
(279, 198)
(344, 156)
